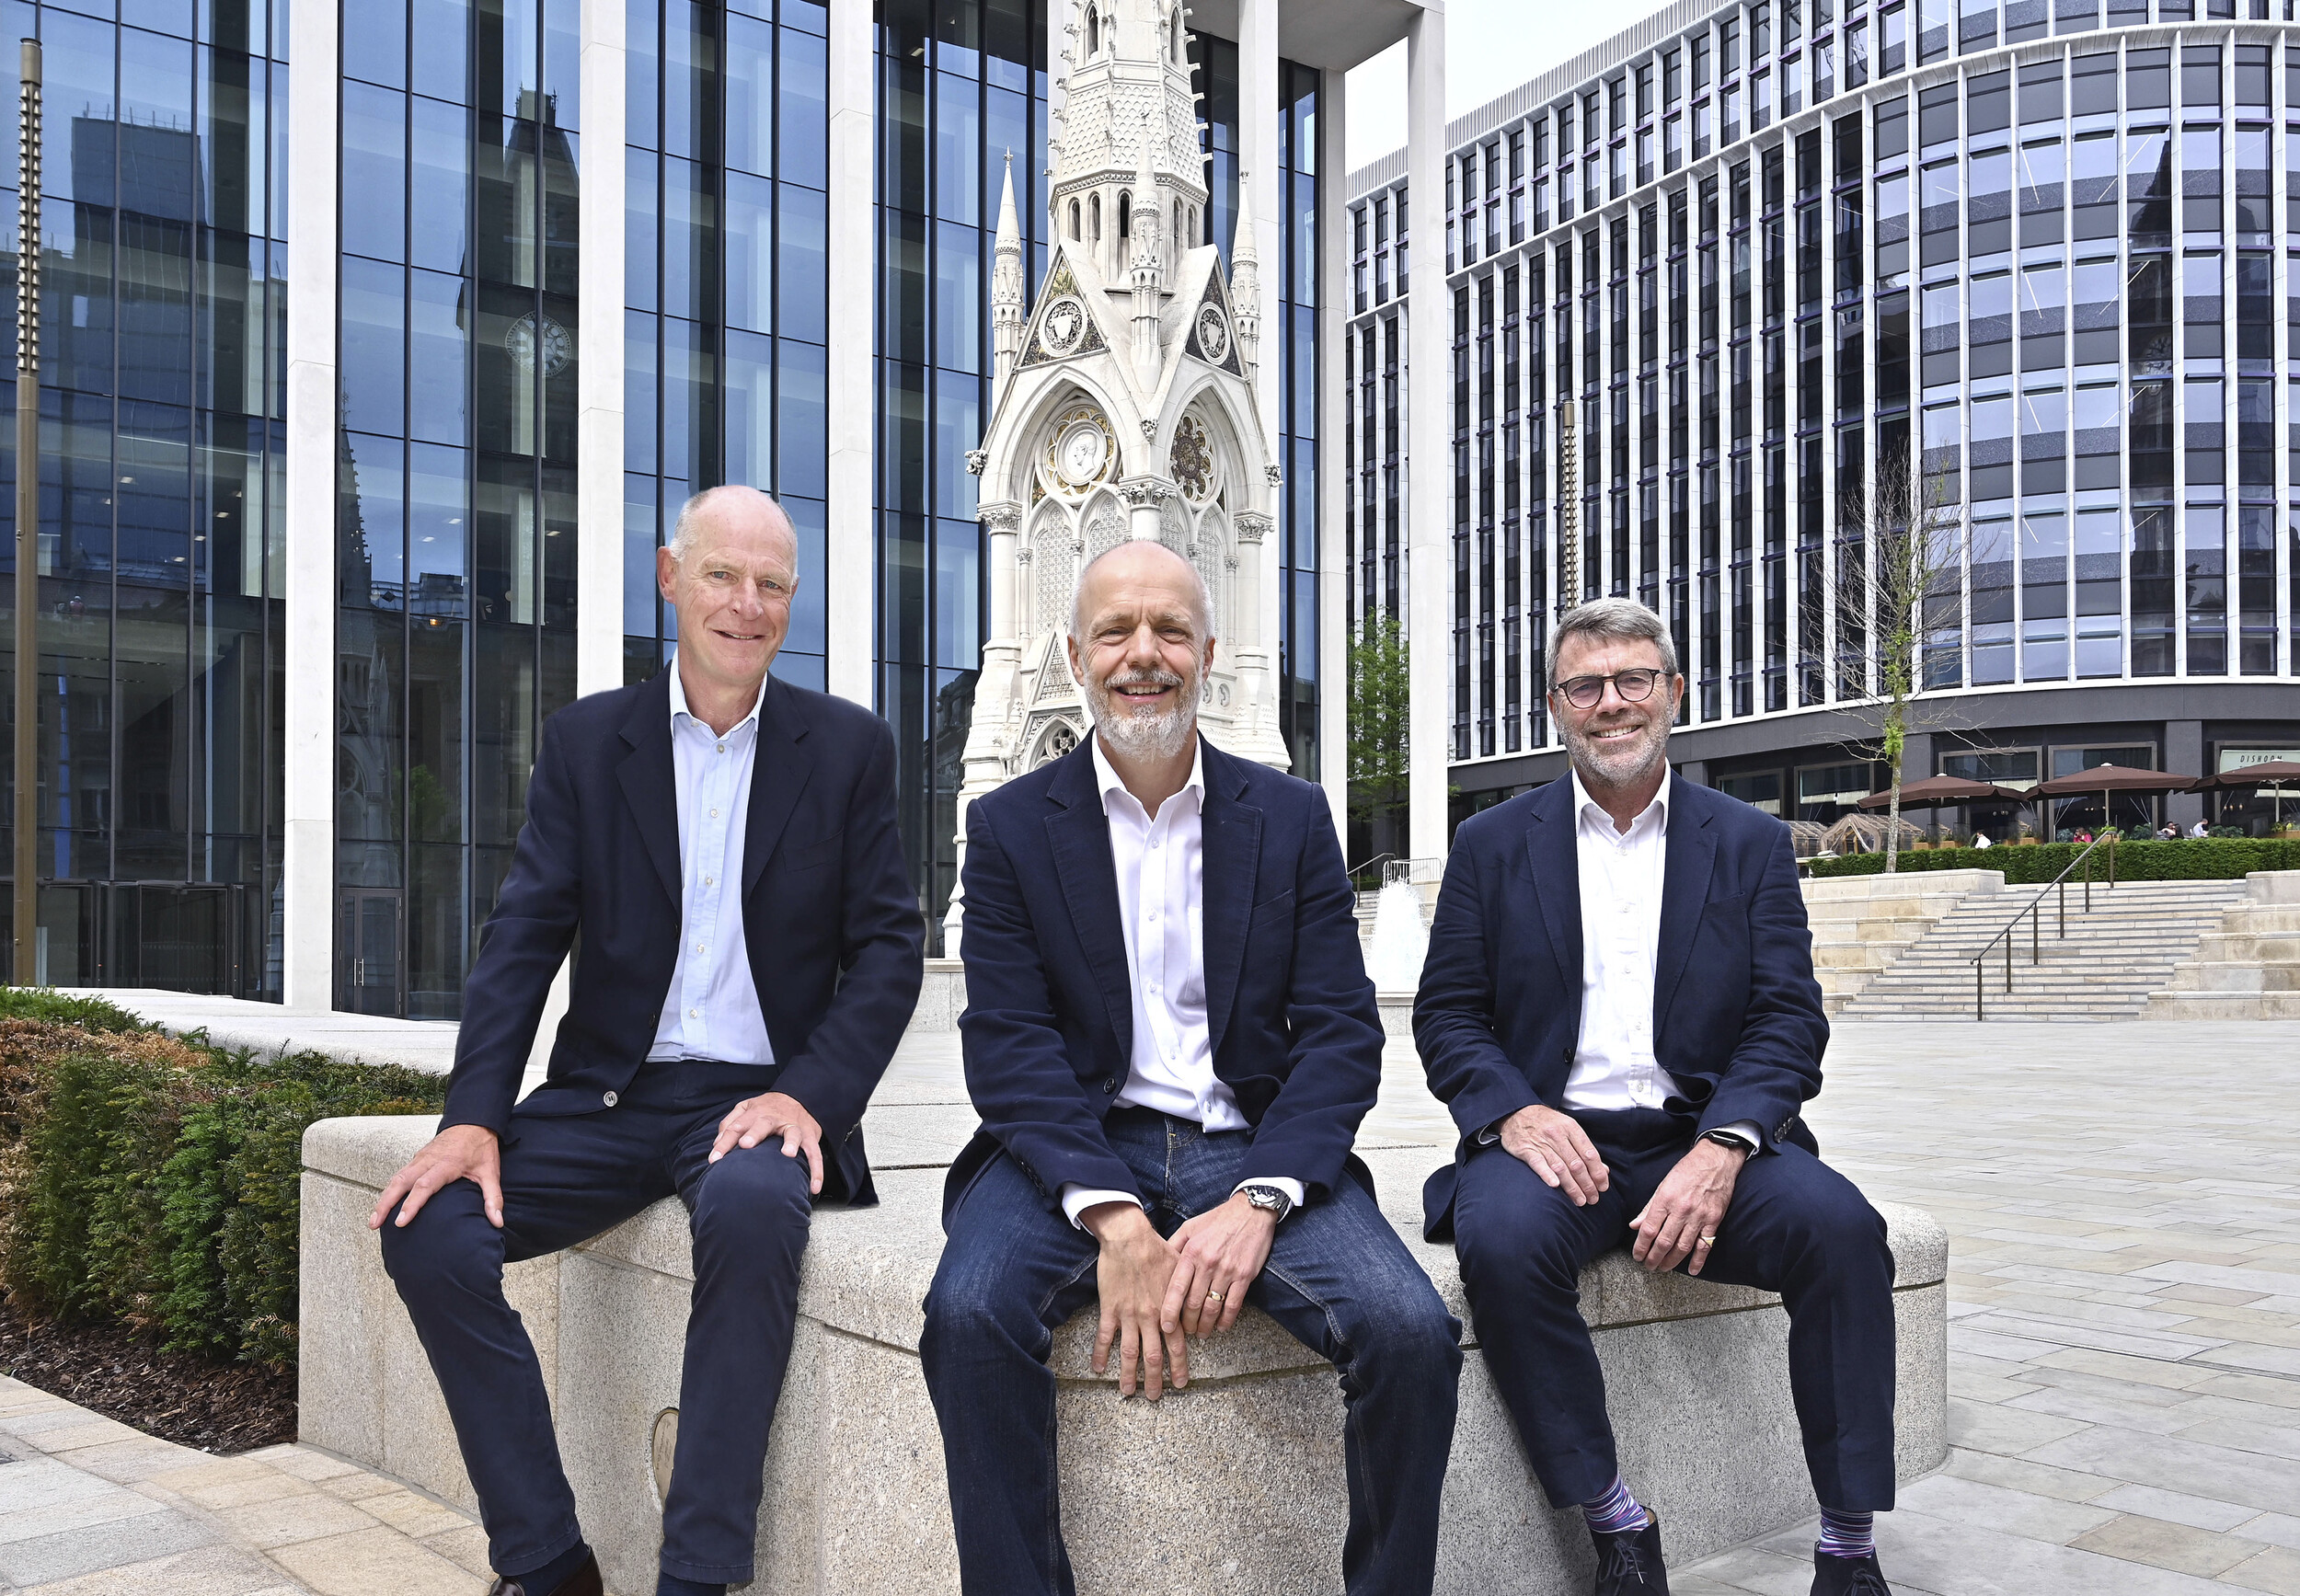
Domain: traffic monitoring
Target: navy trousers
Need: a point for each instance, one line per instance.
(566, 1179)
(1338, 1278)
(1795, 1226)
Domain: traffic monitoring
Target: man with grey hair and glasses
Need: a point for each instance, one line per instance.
(1619, 1009)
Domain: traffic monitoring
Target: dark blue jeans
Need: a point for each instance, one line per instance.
(1338, 1278)
(566, 1179)
(1795, 1226)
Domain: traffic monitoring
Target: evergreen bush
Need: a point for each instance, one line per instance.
(156, 1181)
(2189, 859)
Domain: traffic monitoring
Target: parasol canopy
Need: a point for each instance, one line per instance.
(2267, 772)
(1936, 790)
(2108, 778)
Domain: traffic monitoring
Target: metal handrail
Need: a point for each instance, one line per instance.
(2028, 912)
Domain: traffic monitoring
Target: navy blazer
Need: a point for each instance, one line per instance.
(829, 918)
(1048, 1031)
(1737, 1016)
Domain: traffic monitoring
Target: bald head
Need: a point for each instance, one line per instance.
(1148, 568)
(733, 507)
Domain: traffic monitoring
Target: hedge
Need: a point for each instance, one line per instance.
(2189, 859)
(155, 1181)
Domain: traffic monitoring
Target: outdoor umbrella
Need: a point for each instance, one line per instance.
(2269, 772)
(1935, 791)
(2105, 779)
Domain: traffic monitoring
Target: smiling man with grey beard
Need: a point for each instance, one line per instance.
(1179, 1156)
(1619, 1010)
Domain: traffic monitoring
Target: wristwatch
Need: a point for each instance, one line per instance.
(1740, 1145)
(1270, 1198)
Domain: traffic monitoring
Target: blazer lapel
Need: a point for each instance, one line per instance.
(1691, 853)
(648, 785)
(779, 768)
(1078, 840)
(1554, 854)
(1231, 853)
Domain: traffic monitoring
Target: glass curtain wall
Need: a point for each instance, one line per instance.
(960, 84)
(161, 440)
(455, 518)
(1297, 374)
(2045, 289)
(726, 317)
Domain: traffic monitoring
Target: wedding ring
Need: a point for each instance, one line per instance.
(1709, 1241)
(1213, 1296)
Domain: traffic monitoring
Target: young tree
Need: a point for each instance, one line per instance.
(1911, 531)
(1380, 697)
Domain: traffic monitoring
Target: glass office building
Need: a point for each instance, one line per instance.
(2038, 259)
(311, 584)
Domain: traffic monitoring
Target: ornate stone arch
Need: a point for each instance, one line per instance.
(1209, 551)
(1103, 528)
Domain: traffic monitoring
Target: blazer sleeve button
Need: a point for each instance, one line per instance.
(1109, 1084)
(609, 1098)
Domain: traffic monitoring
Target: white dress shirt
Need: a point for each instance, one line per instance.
(1161, 868)
(712, 1008)
(1621, 877)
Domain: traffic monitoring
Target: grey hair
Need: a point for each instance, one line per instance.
(1619, 618)
(1201, 605)
(681, 542)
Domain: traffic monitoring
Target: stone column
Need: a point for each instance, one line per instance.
(307, 748)
(599, 368)
(1334, 484)
(984, 761)
(2184, 755)
(1142, 499)
(850, 565)
(1429, 452)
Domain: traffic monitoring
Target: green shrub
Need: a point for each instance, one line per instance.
(90, 1013)
(2189, 859)
(158, 1181)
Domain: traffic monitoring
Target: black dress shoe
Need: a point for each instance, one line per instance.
(584, 1581)
(1630, 1561)
(1833, 1576)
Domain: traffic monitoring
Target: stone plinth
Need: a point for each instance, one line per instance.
(1179, 1495)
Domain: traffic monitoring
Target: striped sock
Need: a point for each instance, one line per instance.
(1616, 1510)
(1848, 1534)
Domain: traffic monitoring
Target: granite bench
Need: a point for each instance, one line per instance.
(1180, 1496)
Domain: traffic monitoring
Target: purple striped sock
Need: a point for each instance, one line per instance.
(1616, 1510)
(1848, 1534)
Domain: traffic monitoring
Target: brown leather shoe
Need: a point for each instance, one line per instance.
(584, 1581)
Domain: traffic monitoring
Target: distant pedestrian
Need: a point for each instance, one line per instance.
(1980, 840)
(2200, 830)
(2168, 833)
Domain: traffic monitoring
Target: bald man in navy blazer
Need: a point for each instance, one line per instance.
(718, 848)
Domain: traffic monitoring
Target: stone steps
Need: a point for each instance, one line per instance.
(2112, 958)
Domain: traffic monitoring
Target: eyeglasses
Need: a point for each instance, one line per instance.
(1583, 692)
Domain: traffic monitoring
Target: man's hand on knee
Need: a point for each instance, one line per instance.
(1682, 1220)
(1136, 1266)
(1218, 1253)
(1554, 1146)
(754, 1119)
(459, 1152)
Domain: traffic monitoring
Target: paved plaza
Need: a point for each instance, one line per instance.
(2123, 1204)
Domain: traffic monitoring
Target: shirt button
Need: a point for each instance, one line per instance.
(706, 881)
(714, 814)
(695, 1014)
(722, 748)
(609, 1098)
(1153, 914)
(700, 948)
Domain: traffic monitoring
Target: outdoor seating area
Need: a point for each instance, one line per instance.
(1698, 1371)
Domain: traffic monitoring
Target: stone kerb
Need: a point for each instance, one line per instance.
(1233, 1485)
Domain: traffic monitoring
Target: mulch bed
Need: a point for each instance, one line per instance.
(125, 1374)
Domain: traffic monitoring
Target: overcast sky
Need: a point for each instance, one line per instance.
(1491, 46)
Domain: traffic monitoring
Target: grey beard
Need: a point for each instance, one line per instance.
(1617, 767)
(1143, 736)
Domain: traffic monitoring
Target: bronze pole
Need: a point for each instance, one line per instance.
(27, 817)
